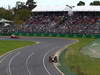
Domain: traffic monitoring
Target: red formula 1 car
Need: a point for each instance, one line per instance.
(14, 37)
(53, 59)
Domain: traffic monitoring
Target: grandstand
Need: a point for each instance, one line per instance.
(81, 21)
(67, 20)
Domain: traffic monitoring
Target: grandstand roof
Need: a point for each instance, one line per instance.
(86, 8)
(51, 8)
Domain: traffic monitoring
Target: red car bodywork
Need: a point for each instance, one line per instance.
(14, 37)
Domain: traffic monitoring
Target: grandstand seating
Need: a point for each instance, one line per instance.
(78, 23)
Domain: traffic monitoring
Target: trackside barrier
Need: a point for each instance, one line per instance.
(59, 35)
(1, 34)
(55, 35)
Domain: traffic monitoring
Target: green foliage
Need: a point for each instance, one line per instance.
(20, 5)
(7, 14)
(95, 3)
(22, 15)
(31, 4)
(78, 62)
(23, 11)
(81, 3)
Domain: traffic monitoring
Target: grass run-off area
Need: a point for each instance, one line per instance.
(74, 62)
(8, 45)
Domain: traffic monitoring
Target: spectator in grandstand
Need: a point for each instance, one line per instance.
(81, 24)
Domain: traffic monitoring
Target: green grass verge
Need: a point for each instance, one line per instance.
(8, 45)
(73, 62)
(93, 49)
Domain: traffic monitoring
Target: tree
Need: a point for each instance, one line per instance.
(23, 11)
(31, 4)
(95, 3)
(22, 15)
(81, 3)
(20, 5)
(7, 14)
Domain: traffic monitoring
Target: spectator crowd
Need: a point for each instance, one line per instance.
(79, 24)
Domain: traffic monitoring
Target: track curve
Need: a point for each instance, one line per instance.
(32, 60)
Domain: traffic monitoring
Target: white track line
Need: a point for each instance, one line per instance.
(44, 60)
(11, 62)
(14, 50)
(4, 58)
(11, 52)
(27, 63)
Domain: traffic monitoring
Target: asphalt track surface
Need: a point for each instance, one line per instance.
(32, 60)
